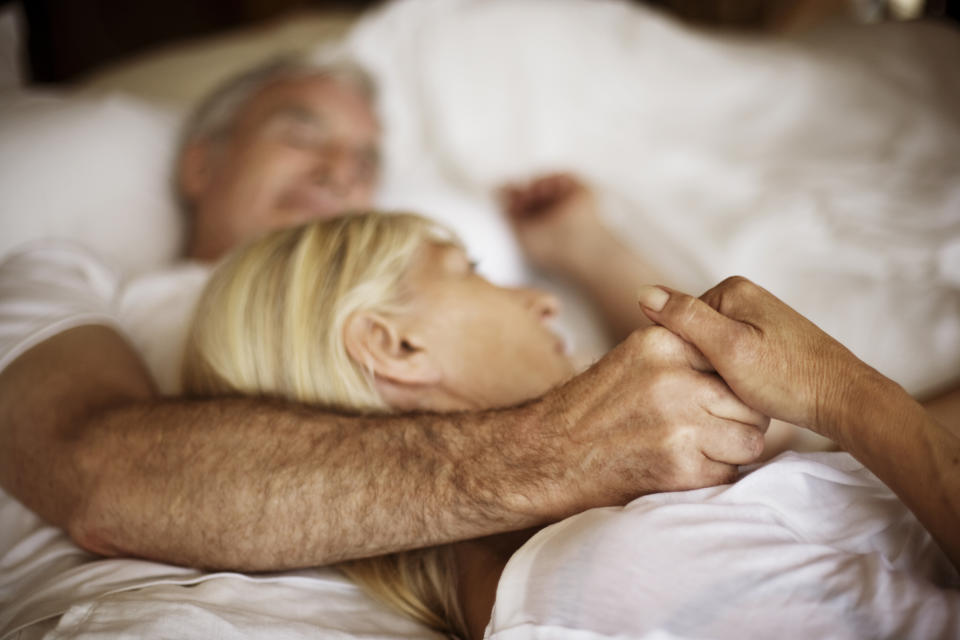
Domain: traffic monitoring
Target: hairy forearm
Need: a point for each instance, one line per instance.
(916, 456)
(251, 483)
(259, 484)
(256, 485)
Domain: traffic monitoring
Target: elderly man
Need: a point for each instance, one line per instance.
(277, 147)
(94, 441)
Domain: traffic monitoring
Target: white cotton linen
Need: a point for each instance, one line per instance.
(46, 288)
(50, 286)
(825, 167)
(807, 546)
(96, 170)
(312, 604)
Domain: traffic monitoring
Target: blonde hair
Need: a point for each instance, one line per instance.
(271, 322)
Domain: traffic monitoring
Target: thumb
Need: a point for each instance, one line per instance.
(690, 318)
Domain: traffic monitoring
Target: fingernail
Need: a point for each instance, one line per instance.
(653, 298)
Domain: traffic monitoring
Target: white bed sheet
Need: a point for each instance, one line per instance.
(806, 546)
(839, 192)
(826, 168)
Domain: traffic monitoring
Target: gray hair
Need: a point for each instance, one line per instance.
(216, 114)
(214, 117)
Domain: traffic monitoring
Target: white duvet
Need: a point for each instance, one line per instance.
(807, 546)
(826, 168)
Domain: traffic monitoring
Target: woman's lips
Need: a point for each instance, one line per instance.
(561, 344)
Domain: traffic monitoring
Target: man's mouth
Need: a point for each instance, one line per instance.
(314, 201)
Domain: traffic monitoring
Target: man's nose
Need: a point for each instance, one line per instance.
(339, 168)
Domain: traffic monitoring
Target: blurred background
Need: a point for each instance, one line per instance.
(822, 162)
(54, 41)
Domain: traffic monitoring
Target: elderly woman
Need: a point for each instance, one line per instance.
(378, 312)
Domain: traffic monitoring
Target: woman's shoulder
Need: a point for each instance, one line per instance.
(722, 551)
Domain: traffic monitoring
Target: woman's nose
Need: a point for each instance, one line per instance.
(545, 305)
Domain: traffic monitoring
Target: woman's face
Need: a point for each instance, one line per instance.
(493, 345)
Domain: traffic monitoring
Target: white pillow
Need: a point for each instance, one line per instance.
(97, 168)
(94, 170)
(823, 168)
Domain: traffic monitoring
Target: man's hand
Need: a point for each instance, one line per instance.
(772, 357)
(645, 419)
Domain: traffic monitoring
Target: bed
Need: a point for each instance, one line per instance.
(838, 188)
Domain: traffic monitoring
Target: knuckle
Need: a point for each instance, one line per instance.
(740, 286)
(647, 341)
(681, 441)
(735, 281)
(658, 341)
(666, 389)
(656, 337)
(635, 340)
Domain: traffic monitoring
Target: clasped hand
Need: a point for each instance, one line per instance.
(773, 358)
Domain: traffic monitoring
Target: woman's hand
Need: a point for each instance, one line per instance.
(555, 219)
(772, 357)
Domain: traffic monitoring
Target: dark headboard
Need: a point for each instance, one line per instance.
(68, 38)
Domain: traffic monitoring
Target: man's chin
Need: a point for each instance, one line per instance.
(297, 217)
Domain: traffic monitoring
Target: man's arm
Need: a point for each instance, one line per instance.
(780, 363)
(257, 484)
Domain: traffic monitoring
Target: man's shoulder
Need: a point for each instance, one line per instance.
(53, 261)
(51, 257)
(52, 285)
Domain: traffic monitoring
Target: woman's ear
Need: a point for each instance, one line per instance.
(378, 345)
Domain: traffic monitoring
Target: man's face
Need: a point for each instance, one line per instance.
(300, 149)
